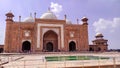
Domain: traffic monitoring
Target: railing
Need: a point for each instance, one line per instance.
(7, 59)
(41, 63)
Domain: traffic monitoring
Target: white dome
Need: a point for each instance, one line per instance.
(99, 34)
(48, 15)
(84, 17)
(68, 21)
(29, 19)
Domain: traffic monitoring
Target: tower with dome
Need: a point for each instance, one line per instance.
(99, 44)
(45, 34)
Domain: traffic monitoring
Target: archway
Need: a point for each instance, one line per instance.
(72, 46)
(26, 46)
(1, 50)
(91, 49)
(50, 41)
(99, 49)
(49, 46)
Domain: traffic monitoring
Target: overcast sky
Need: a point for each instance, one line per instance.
(103, 15)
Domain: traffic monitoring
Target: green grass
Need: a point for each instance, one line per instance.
(70, 58)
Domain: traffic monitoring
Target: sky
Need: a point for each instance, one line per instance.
(103, 15)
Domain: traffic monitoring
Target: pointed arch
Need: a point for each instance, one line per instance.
(72, 46)
(50, 41)
(26, 46)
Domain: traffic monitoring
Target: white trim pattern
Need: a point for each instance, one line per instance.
(26, 40)
(50, 25)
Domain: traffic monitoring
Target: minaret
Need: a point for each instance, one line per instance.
(9, 21)
(85, 32)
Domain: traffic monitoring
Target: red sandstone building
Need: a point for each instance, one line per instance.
(45, 34)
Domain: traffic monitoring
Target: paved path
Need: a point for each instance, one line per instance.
(38, 61)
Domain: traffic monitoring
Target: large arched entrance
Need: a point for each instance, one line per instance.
(26, 46)
(72, 46)
(50, 41)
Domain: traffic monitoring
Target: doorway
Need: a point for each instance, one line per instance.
(49, 47)
(72, 46)
(26, 46)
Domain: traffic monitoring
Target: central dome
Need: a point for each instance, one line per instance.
(29, 19)
(48, 15)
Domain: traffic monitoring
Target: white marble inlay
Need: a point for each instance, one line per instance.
(26, 40)
(71, 34)
(72, 40)
(44, 30)
(27, 33)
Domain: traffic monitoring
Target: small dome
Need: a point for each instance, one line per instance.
(84, 19)
(99, 35)
(29, 19)
(68, 21)
(48, 15)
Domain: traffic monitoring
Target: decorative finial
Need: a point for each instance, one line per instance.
(19, 18)
(65, 16)
(10, 11)
(48, 8)
(30, 14)
(77, 21)
(35, 15)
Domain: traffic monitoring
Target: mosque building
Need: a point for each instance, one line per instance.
(46, 34)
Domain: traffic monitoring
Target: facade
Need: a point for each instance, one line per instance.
(45, 34)
(99, 44)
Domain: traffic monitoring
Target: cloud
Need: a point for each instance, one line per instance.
(110, 29)
(56, 8)
(106, 25)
